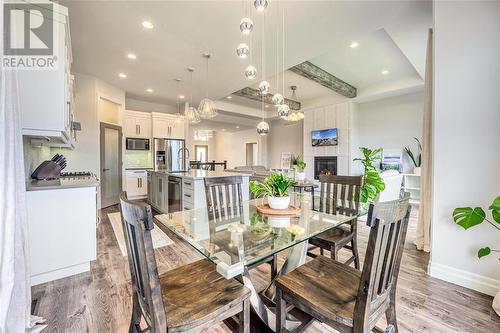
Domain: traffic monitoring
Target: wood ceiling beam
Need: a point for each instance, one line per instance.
(255, 95)
(316, 74)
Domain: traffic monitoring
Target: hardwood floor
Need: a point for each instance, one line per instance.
(100, 301)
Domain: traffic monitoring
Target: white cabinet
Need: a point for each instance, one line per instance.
(136, 183)
(137, 124)
(411, 184)
(46, 96)
(158, 193)
(167, 126)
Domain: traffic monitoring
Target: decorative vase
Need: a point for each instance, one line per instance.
(278, 221)
(301, 176)
(278, 202)
(496, 303)
(417, 171)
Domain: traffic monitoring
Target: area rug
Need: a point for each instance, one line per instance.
(160, 239)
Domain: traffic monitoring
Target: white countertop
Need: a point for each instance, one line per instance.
(200, 174)
(61, 183)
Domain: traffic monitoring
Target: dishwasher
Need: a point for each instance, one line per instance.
(174, 194)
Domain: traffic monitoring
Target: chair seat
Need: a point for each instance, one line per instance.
(196, 292)
(326, 287)
(338, 236)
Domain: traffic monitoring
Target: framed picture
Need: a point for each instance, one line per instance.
(286, 161)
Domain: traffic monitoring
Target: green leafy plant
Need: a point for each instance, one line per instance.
(373, 184)
(276, 185)
(468, 217)
(299, 163)
(415, 158)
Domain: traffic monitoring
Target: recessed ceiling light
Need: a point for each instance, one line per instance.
(237, 127)
(182, 96)
(267, 106)
(122, 75)
(229, 97)
(149, 90)
(147, 24)
(131, 56)
(223, 130)
(354, 45)
(384, 72)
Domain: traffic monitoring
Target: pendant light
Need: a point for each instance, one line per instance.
(242, 50)
(295, 115)
(260, 5)
(192, 114)
(207, 108)
(264, 86)
(246, 25)
(263, 126)
(283, 109)
(178, 119)
(250, 72)
(278, 98)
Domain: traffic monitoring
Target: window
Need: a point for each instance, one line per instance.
(201, 153)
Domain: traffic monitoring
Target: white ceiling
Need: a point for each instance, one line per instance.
(103, 32)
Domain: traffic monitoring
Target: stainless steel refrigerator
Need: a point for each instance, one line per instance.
(169, 154)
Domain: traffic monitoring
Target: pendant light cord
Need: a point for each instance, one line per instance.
(277, 49)
(206, 80)
(283, 50)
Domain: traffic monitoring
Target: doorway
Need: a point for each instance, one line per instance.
(111, 164)
(201, 153)
(251, 153)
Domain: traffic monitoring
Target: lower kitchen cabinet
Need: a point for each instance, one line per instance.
(158, 193)
(136, 183)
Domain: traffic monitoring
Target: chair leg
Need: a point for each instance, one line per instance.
(354, 245)
(280, 311)
(390, 315)
(244, 317)
(135, 320)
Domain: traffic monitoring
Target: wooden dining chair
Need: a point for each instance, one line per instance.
(339, 195)
(186, 299)
(344, 298)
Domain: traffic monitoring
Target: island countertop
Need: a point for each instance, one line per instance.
(200, 174)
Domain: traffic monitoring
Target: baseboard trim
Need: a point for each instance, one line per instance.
(60, 273)
(465, 279)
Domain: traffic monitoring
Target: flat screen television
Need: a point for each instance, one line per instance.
(326, 137)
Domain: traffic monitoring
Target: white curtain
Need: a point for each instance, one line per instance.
(425, 213)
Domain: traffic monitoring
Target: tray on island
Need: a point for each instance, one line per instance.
(290, 211)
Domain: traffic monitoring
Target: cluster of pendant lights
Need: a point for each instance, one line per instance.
(244, 51)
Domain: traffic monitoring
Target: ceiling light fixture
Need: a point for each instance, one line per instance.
(182, 96)
(250, 72)
(147, 24)
(278, 98)
(384, 72)
(207, 108)
(295, 115)
(242, 50)
(246, 25)
(237, 127)
(131, 56)
(149, 90)
(354, 45)
(260, 5)
(264, 86)
(192, 113)
(229, 97)
(122, 75)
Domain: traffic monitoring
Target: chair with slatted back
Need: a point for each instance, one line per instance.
(339, 195)
(343, 297)
(189, 298)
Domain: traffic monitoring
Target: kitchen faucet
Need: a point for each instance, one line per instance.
(187, 165)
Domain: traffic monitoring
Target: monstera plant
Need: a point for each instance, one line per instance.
(468, 217)
(373, 184)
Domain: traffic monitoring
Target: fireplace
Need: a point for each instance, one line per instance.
(325, 165)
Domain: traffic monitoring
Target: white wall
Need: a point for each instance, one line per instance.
(232, 147)
(390, 123)
(466, 139)
(283, 138)
(138, 105)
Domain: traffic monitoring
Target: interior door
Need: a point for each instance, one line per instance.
(111, 164)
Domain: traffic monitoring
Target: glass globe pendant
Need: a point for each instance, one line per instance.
(242, 50)
(250, 72)
(264, 87)
(246, 25)
(260, 5)
(277, 99)
(263, 128)
(283, 111)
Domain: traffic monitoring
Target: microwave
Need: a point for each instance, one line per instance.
(136, 144)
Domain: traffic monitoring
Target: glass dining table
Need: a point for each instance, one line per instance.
(247, 238)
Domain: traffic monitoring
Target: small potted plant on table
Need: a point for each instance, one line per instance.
(300, 166)
(415, 158)
(276, 188)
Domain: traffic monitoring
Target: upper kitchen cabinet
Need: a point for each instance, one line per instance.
(137, 124)
(46, 94)
(168, 126)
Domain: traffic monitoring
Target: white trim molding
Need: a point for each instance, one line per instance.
(465, 279)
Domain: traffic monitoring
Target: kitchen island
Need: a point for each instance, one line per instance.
(170, 192)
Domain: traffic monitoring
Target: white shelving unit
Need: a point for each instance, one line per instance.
(412, 184)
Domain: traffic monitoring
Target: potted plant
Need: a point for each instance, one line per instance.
(300, 166)
(275, 187)
(416, 158)
(468, 217)
(373, 184)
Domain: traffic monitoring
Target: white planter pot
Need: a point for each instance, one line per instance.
(417, 171)
(301, 176)
(278, 202)
(496, 303)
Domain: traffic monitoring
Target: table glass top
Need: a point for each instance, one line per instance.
(250, 237)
